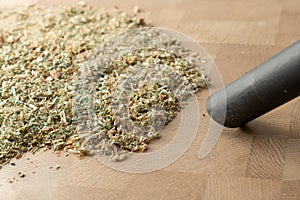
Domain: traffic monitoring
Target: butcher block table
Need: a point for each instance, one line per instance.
(260, 161)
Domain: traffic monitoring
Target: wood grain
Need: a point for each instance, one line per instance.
(224, 160)
(260, 161)
(231, 32)
(228, 188)
(290, 190)
(267, 158)
(295, 120)
(288, 30)
(292, 161)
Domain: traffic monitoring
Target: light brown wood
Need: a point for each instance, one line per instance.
(267, 158)
(261, 161)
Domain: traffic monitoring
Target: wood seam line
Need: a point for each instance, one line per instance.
(249, 157)
(295, 120)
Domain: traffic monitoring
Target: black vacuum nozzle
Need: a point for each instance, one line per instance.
(269, 85)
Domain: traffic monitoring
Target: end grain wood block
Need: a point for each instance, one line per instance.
(234, 60)
(292, 161)
(92, 173)
(267, 10)
(295, 120)
(207, 10)
(290, 190)
(229, 188)
(169, 18)
(166, 185)
(71, 192)
(229, 157)
(231, 32)
(291, 5)
(276, 123)
(267, 158)
(288, 31)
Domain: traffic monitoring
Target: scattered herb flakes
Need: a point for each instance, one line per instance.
(21, 174)
(134, 92)
(40, 53)
(47, 91)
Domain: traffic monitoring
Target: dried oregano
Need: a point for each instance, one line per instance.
(40, 53)
(132, 86)
(47, 100)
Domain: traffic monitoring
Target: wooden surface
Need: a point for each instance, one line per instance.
(259, 162)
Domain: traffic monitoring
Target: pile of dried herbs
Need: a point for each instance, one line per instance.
(41, 50)
(132, 86)
(57, 90)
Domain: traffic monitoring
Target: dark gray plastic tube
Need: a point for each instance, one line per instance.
(269, 85)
